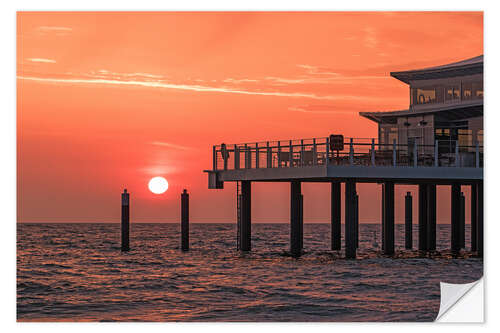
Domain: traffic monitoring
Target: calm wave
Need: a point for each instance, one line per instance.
(76, 272)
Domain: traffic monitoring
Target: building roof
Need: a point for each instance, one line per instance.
(455, 111)
(460, 68)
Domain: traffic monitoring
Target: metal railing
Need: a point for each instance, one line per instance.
(355, 152)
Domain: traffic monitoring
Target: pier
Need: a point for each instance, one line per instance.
(359, 161)
(436, 141)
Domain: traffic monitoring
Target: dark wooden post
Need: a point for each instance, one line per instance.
(382, 200)
(356, 219)
(455, 218)
(408, 221)
(480, 216)
(431, 217)
(246, 220)
(335, 216)
(295, 218)
(462, 220)
(125, 220)
(184, 220)
(473, 217)
(422, 217)
(388, 193)
(349, 225)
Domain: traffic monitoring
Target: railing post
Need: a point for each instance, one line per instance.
(327, 150)
(279, 154)
(290, 154)
(302, 152)
(214, 157)
(373, 152)
(394, 152)
(236, 157)
(247, 158)
(269, 156)
(415, 154)
(436, 153)
(315, 157)
(457, 156)
(477, 154)
(351, 152)
(257, 155)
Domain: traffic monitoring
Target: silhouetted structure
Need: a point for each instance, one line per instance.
(408, 221)
(436, 141)
(125, 220)
(184, 220)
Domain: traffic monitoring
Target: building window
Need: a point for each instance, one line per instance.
(452, 93)
(467, 90)
(477, 90)
(425, 95)
(388, 134)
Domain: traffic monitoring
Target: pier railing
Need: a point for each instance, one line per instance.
(353, 152)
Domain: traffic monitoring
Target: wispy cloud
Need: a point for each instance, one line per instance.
(43, 60)
(170, 145)
(370, 39)
(59, 31)
(320, 109)
(316, 70)
(188, 87)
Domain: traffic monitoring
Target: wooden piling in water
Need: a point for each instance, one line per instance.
(455, 218)
(408, 221)
(356, 219)
(462, 220)
(431, 217)
(473, 218)
(335, 207)
(125, 225)
(295, 219)
(480, 216)
(422, 217)
(388, 193)
(246, 222)
(184, 220)
(349, 225)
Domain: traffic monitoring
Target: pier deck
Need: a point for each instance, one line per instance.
(365, 160)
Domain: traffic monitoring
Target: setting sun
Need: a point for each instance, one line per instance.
(158, 185)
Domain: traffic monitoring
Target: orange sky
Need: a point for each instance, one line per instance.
(109, 100)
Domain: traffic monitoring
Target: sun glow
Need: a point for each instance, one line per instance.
(158, 185)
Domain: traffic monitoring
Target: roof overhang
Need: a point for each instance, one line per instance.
(446, 112)
(462, 68)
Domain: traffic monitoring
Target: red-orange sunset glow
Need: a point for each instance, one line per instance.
(107, 101)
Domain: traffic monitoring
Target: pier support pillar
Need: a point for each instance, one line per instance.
(480, 215)
(422, 217)
(455, 218)
(356, 218)
(335, 216)
(296, 226)
(473, 218)
(408, 221)
(431, 217)
(125, 220)
(246, 221)
(388, 194)
(350, 223)
(462, 220)
(184, 220)
(382, 210)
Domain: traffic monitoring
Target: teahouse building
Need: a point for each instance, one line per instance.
(446, 105)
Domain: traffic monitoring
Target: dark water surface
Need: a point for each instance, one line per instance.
(76, 272)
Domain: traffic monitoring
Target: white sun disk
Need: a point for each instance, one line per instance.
(158, 185)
